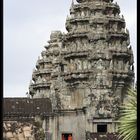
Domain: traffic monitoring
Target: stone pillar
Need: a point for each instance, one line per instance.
(109, 127)
(50, 132)
(54, 128)
(95, 127)
(113, 127)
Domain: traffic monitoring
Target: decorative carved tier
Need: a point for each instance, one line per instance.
(96, 50)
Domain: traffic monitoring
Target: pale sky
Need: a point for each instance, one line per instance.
(27, 27)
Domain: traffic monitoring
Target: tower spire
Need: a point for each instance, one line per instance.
(72, 3)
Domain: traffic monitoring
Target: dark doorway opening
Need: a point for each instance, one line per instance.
(66, 136)
(102, 128)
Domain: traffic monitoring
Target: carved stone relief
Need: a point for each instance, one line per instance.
(98, 68)
(18, 130)
(85, 64)
(99, 64)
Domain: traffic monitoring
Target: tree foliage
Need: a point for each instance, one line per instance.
(128, 117)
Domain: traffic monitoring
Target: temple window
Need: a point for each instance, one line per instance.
(102, 128)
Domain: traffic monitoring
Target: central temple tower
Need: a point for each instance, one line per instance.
(86, 71)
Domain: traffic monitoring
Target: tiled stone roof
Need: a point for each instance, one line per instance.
(26, 106)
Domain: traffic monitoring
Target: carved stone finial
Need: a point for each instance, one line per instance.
(72, 3)
(67, 17)
(130, 47)
(127, 31)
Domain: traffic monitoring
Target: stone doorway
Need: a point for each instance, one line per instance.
(66, 136)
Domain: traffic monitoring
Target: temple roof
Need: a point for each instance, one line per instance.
(26, 106)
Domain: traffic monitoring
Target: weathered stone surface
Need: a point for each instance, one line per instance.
(85, 72)
(90, 67)
(15, 130)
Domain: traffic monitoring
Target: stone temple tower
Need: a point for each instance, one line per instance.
(86, 71)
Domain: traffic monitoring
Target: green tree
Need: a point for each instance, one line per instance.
(128, 117)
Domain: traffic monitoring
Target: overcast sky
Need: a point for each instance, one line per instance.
(27, 27)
